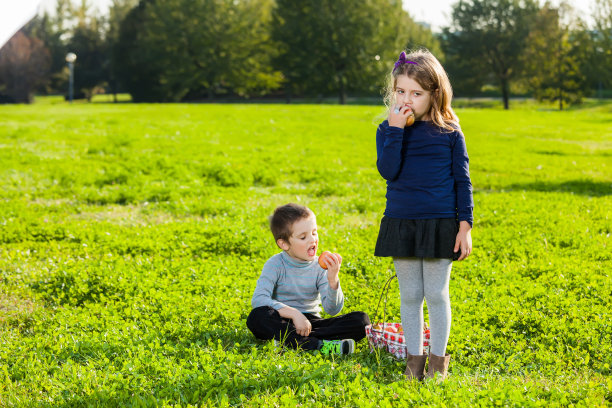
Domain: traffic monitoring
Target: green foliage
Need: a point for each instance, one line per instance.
(415, 36)
(131, 238)
(46, 29)
(172, 50)
(487, 37)
(78, 29)
(341, 46)
(597, 65)
(91, 66)
(553, 58)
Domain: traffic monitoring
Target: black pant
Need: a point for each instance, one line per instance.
(267, 324)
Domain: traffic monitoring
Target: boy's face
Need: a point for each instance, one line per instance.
(304, 240)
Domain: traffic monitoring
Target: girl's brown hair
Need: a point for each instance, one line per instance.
(429, 73)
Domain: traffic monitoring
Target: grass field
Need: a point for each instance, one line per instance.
(131, 238)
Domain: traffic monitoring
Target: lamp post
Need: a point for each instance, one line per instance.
(70, 58)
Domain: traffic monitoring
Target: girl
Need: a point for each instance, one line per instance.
(428, 216)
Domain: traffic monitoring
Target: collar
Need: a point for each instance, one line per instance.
(294, 262)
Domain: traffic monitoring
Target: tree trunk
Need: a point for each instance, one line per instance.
(560, 74)
(505, 93)
(113, 86)
(287, 93)
(342, 93)
(600, 90)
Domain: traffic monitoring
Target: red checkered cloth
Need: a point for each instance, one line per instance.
(390, 336)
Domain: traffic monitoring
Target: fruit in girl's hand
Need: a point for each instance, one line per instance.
(410, 119)
(322, 259)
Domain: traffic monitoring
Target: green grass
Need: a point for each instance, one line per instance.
(131, 238)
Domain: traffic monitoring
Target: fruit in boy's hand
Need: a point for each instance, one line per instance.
(410, 119)
(322, 259)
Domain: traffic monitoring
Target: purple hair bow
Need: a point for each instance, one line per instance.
(402, 60)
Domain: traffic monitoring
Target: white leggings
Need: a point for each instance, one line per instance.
(424, 278)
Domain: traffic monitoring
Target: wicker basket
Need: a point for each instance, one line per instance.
(390, 336)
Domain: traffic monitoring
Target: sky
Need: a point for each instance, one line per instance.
(436, 13)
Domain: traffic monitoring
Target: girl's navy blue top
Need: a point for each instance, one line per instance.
(427, 172)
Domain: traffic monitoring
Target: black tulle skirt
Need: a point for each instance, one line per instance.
(433, 238)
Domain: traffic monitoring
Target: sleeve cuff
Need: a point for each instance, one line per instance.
(394, 130)
(277, 305)
(469, 221)
(334, 292)
(336, 296)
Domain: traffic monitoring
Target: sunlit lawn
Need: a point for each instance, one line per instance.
(131, 237)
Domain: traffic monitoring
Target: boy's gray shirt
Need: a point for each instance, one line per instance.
(285, 281)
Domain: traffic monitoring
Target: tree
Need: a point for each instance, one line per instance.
(90, 68)
(78, 29)
(552, 57)
(24, 62)
(52, 30)
(88, 43)
(416, 35)
(599, 65)
(174, 48)
(406, 35)
(339, 45)
(118, 11)
(487, 37)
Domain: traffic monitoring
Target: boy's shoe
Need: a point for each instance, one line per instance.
(346, 346)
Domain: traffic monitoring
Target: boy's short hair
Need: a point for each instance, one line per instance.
(284, 217)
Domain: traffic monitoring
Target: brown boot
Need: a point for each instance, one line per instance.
(438, 365)
(415, 367)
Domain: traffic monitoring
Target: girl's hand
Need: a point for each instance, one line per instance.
(464, 240)
(333, 262)
(398, 115)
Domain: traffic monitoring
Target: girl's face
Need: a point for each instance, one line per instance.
(409, 93)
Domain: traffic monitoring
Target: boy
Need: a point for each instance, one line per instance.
(291, 286)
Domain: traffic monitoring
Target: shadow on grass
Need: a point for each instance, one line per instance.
(582, 187)
(550, 153)
(600, 153)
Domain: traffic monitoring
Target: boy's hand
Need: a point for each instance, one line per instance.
(302, 325)
(333, 262)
